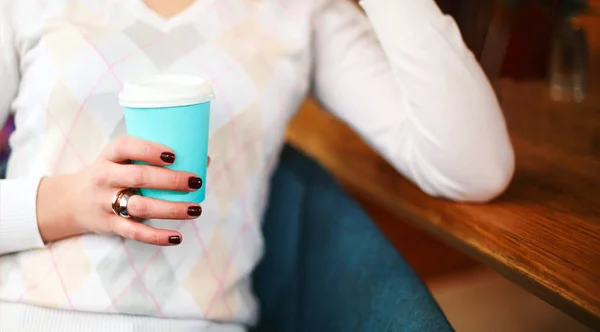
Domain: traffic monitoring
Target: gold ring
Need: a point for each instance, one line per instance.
(120, 201)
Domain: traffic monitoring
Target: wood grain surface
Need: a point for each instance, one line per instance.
(543, 233)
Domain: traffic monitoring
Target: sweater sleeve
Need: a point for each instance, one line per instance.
(403, 78)
(18, 221)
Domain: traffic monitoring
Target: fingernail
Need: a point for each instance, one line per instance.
(194, 211)
(175, 239)
(195, 183)
(167, 157)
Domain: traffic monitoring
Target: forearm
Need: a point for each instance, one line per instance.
(405, 81)
(459, 143)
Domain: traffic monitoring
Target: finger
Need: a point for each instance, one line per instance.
(151, 177)
(128, 148)
(149, 208)
(136, 231)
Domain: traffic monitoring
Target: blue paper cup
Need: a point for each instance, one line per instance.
(173, 110)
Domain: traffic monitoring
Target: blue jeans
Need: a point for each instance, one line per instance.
(327, 266)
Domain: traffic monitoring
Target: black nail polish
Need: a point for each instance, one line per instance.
(167, 157)
(195, 183)
(175, 239)
(194, 211)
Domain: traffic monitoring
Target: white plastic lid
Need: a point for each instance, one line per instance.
(165, 91)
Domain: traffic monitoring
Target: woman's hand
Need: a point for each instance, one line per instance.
(74, 204)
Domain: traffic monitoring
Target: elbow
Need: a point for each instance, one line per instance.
(474, 179)
(488, 180)
(490, 187)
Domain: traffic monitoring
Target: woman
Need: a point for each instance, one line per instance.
(400, 76)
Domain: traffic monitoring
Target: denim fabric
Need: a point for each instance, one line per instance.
(327, 267)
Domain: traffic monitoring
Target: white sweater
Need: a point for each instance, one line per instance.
(401, 76)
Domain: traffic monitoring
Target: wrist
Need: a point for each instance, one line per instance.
(55, 215)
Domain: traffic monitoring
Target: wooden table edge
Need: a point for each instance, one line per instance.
(361, 170)
(562, 303)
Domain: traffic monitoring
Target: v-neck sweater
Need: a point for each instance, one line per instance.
(401, 76)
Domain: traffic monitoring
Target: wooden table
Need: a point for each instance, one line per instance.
(543, 233)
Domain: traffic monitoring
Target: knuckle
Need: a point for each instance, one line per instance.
(122, 141)
(110, 226)
(133, 233)
(155, 239)
(119, 146)
(138, 209)
(139, 177)
(101, 177)
(173, 210)
(109, 150)
(178, 179)
(147, 151)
